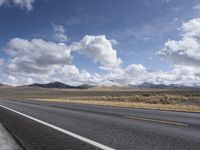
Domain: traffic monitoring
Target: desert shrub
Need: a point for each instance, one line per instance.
(165, 100)
(195, 95)
(146, 94)
(153, 101)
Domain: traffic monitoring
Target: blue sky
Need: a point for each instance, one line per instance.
(139, 27)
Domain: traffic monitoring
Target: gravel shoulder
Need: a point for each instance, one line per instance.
(6, 140)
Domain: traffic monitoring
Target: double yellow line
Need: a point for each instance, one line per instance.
(157, 121)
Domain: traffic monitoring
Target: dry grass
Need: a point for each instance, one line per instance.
(174, 107)
(180, 100)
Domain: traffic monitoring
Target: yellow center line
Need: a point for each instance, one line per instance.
(157, 121)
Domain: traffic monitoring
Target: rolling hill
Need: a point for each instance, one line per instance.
(60, 85)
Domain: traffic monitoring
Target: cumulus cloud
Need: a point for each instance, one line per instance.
(100, 50)
(37, 60)
(23, 4)
(42, 61)
(179, 74)
(187, 50)
(72, 75)
(184, 55)
(134, 74)
(60, 35)
(36, 56)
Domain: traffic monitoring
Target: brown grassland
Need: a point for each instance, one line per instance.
(178, 100)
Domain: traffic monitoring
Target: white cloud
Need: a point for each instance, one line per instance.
(187, 50)
(184, 56)
(36, 55)
(179, 74)
(23, 4)
(70, 74)
(100, 50)
(42, 61)
(134, 74)
(60, 35)
(136, 70)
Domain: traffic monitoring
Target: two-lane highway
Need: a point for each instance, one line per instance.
(39, 125)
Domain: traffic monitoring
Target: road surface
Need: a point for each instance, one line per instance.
(38, 125)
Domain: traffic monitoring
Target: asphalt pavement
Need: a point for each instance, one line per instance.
(39, 125)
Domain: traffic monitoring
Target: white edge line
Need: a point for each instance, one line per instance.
(96, 144)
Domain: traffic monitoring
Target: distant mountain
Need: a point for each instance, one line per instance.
(164, 86)
(4, 85)
(145, 85)
(60, 85)
(85, 86)
(151, 85)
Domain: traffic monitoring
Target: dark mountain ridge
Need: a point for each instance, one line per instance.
(60, 85)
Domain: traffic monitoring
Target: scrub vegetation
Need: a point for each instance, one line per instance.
(180, 100)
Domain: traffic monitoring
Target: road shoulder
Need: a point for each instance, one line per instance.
(6, 140)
